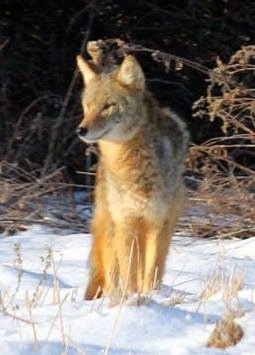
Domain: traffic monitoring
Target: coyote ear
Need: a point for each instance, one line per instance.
(86, 70)
(131, 74)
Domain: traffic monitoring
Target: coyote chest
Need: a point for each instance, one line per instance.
(138, 183)
(129, 202)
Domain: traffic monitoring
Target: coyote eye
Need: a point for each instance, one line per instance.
(108, 105)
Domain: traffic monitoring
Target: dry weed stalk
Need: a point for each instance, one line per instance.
(230, 94)
(225, 164)
(38, 293)
(3, 308)
(116, 48)
(226, 332)
(57, 300)
(18, 265)
(29, 307)
(229, 284)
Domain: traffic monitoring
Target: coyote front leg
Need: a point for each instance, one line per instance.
(176, 206)
(104, 267)
(130, 254)
(151, 269)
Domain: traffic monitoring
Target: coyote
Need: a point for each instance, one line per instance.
(139, 186)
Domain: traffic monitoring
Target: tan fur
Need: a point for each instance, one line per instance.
(139, 187)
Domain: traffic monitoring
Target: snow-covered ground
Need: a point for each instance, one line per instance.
(43, 277)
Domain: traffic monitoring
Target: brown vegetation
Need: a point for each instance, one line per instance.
(224, 165)
(225, 334)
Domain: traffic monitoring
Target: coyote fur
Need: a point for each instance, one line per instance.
(139, 185)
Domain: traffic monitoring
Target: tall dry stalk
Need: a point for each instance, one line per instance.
(225, 165)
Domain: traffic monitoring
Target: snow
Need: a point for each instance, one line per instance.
(43, 278)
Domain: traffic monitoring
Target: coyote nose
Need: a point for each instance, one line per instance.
(81, 131)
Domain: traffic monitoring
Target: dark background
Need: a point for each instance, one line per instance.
(39, 107)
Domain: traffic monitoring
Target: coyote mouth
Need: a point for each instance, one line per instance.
(90, 138)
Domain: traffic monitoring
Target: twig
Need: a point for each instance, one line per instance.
(27, 321)
(29, 307)
(4, 44)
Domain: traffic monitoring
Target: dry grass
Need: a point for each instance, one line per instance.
(26, 199)
(228, 286)
(222, 168)
(225, 334)
(41, 295)
(220, 207)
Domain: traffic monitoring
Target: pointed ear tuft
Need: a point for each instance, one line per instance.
(131, 74)
(86, 69)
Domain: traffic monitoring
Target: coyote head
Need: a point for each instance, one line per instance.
(112, 102)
